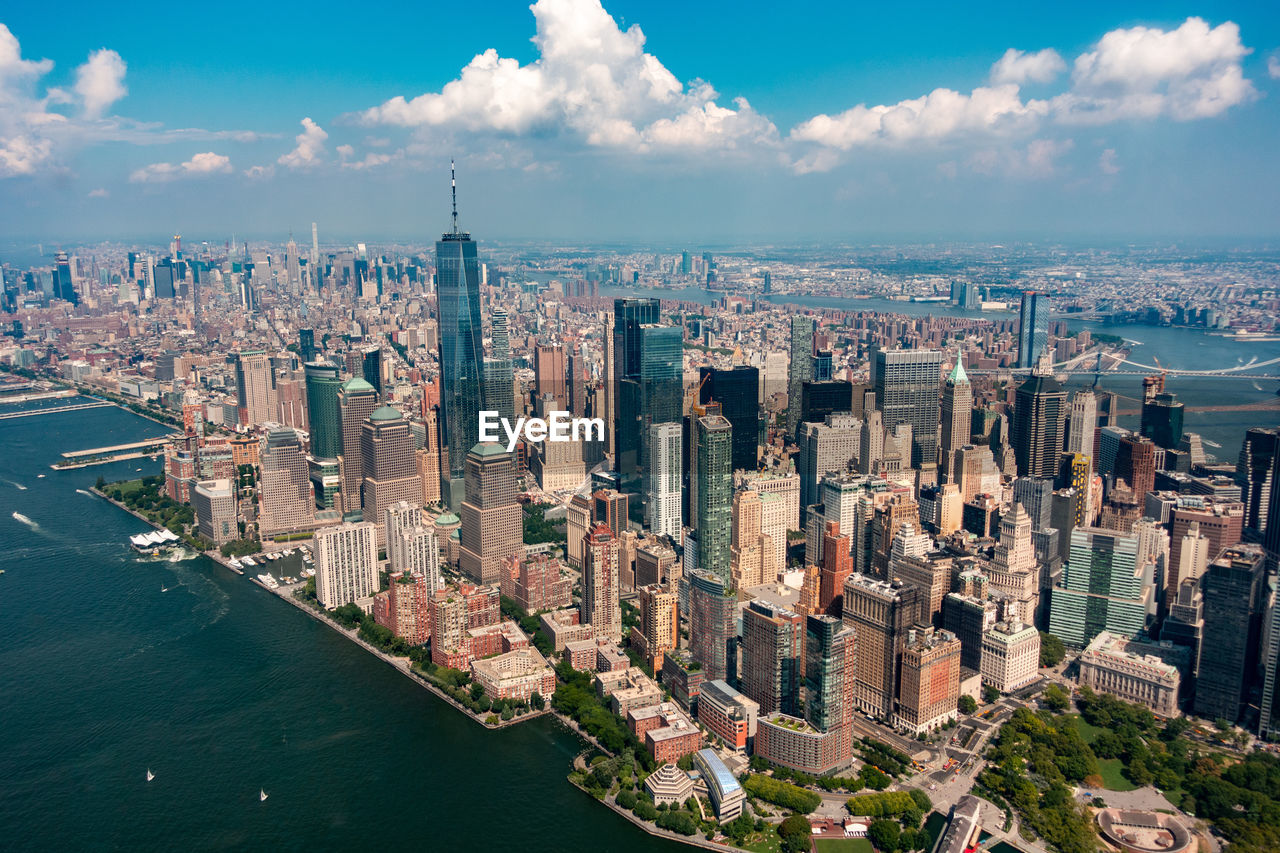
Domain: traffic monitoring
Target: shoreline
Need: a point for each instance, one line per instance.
(654, 829)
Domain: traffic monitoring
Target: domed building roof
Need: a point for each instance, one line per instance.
(386, 413)
(355, 383)
(447, 520)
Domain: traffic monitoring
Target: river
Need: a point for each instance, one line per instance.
(222, 690)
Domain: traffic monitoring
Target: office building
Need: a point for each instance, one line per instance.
(323, 414)
(214, 502)
(771, 645)
(1010, 656)
(255, 388)
(970, 616)
(738, 392)
(715, 495)
(1014, 571)
(1082, 423)
(1033, 328)
(1146, 674)
(881, 614)
(357, 400)
(1039, 418)
(1162, 420)
(549, 373)
(1103, 589)
(830, 447)
(346, 564)
(286, 504)
(1256, 474)
(956, 412)
(390, 466)
(601, 584)
(492, 521)
(727, 796)
(799, 371)
(461, 355)
(1221, 522)
(820, 399)
(929, 690)
(830, 678)
(1234, 600)
(906, 387)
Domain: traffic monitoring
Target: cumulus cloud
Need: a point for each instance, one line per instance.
(1273, 67)
(100, 81)
(1107, 162)
(1192, 72)
(100, 192)
(1039, 159)
(1019, 68)
(591, 78)
(309, 151)
(206, 163)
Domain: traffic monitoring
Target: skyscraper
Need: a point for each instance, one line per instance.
(371, 363)
(1256, 475)
(1162, 420)
(1233, 604)
(307, 345)
(323, 413)
(880, 614)
(799, 371)
(1039, 415)
(715, 495)
(284, 489)
(1082, 423)
(738, 392)
(389, 464)
(254, 397)
(830, 679)
(63, 285)
(491, 517)
(664, 503)
(601, 584)
(499, 383)
(1103, 589)
(461, 353)
(831, 447)
(549, 373)
(713, 630)
(957, 413)
(357, 400)
(346, 563)
(771, 641)
(628, 316)
(1033, 327)
(906, 386)
(1014, 571)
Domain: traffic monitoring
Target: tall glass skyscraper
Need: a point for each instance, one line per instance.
(715, 496)
(738, 393)
(1033, 331)
(461, 354)
(1103, 589)
(323, 414)
(629, 315)
(799, 371)
(906, 385)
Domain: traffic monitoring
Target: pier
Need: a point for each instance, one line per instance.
(54, 410)
(76, 455)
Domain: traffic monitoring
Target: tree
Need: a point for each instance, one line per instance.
(796, 834)
(884, 834)
(1051, 649)
(967, 704)
(1055, 698)
(536, 702)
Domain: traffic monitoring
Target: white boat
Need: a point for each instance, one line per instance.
(262, 795)
(150, 775)
(247, 561)
(234, 563)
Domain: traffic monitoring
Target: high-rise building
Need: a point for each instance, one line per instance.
(837, 565)
(1234, 600)
(881, 614)
(818, 400)
(1221, 522)
(323, 415)
(399, 517)
(1256, 471)
(214, 502)
(64, 285)
(738, 393)
(713, 625)
(660, 396)
(1033, 327)
(830, 679)
(357, 400)
(1082, 423)
(1014, 571)
(371, 367)
(746, 551)
(549, 373)
(405, 608)
(286, 504)
(929, 690)
(346, 564)
(492, 521)
(1103, 589)
(307, 345)
(659, 628)
(831, 447)
(665, 475)
(255, 398)
(771, 644)
(1162, 420)
(601, 584)
(461, 353)
(1039, 417)
(390, 465)
(499, 384)
(624, 387)
(1010, 656)
(799, 371)
(906, 386)
(957, 413)
(715, 495)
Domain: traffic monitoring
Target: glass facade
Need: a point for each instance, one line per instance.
(461, 354)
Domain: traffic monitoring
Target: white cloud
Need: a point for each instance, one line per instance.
(206, 163)
(1039, 159)
(1273, 67)
(12, 65)
(1019, 67)
(100, 192)
(310, 148)
(1192, 72)
(345, 152)
(260, 172)
(592, 78)
(1107, 162)
(100, 81)
(23, 155)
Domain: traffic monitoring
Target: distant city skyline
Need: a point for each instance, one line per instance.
(711, 124)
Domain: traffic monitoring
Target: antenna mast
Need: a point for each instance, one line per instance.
(453, 184)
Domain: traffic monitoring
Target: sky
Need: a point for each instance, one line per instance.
(667, 123)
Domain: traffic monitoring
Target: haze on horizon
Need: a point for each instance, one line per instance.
(575, 123)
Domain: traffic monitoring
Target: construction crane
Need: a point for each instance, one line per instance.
(695, 395)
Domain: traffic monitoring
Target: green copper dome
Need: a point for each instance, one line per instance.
(386, 413)
(356, 384)
(448, 519)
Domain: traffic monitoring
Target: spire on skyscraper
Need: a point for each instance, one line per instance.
(453, 186)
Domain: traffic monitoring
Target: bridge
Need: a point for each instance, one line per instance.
(54, 410)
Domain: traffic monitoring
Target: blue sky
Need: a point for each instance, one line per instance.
(723, 122)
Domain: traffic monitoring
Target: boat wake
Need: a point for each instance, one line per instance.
(16, 485)
(19, 517)
(83, 492)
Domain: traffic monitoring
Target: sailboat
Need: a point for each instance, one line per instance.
(150, 775)
(262, 796)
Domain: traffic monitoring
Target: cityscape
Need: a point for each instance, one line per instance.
(406, 531)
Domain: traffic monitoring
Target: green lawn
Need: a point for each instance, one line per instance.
(1088, 732)
(845, 845)
(764, 842)
(128, 487)
(1112, 777)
